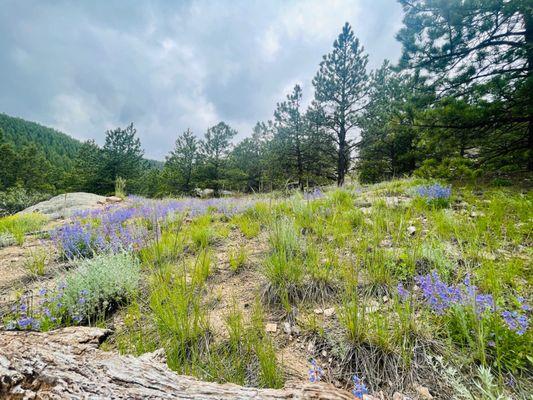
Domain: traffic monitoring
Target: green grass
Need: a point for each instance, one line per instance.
(35, 263)
(21, 224)
(238, 258)
(341, 252)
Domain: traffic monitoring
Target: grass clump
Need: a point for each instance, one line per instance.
(36, 262)
(21, 224)
(238, 258)
(284, 268)
(248, 357)
(180, 319)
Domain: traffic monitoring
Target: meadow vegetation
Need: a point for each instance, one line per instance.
(425, 283)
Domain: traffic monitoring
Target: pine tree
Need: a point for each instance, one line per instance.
(341, 87)
(248, 162)
(7, 163)
(215, 150)
(478, 55)
(87, 170)
(181, 163)
(122, 155)
(387, 145)
(289, 136)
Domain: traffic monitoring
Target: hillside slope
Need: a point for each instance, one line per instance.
(59, 148)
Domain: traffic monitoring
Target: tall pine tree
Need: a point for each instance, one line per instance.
(341, 86)
(181, 163)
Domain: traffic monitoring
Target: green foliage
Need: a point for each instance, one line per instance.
(104, 282)
(340, 87)
(237, 258)
(34, 155)
(215, 151)
(21, 224)
(478, 59)
(120, 187)
(17, 198)
(457, 169)
(181, 166)
(36, 262)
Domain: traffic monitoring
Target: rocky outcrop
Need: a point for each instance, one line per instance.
(65, 205)
(67, 364)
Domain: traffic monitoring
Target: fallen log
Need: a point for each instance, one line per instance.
(67, 364)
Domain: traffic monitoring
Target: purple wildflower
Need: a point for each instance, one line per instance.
(315, 372)
(402, 292)
(434, 192)
(515, 321)
(359, 388)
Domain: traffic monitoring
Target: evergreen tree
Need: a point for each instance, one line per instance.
(387, 145)
(215, 150)
(319, 149)
(122, 156)
(7, 163)
(341, 87)
(181, 163)
(289, 137)
(88, 165)
(33, 169)
(247, 162)
(478, 55)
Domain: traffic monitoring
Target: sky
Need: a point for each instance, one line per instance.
(83, 67)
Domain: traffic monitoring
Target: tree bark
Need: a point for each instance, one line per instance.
(67, 364)
(528, 22)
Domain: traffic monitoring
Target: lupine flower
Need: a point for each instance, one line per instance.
(434, 192)
(522, 303)
(441, 297)
(359, 388)
(315, 194)
(315, 372)
(402, 292)
(516, 322)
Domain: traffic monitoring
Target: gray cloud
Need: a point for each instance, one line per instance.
(84, 67)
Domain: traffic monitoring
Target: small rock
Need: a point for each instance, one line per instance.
(386, 243)
(411, 230)
(328, 312)
(399, 396)
(271, 327)
(385, 299)
(423, 392)
(310, 347)
(287, 328)
(113, 199)
(318, 311)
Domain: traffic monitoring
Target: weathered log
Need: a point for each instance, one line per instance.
(67, 364)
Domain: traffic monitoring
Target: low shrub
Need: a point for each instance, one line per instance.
(89, 293)
(16, 199)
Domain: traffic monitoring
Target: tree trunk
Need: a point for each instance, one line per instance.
(342, 160)
(67, 364)
(528, 22)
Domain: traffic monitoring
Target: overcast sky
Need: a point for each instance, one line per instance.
(86, 66)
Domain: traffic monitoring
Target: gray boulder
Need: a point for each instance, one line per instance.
(65, 205)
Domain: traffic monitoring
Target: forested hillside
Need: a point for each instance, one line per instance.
(58, 148)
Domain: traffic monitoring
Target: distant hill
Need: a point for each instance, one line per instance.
(58, 147)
